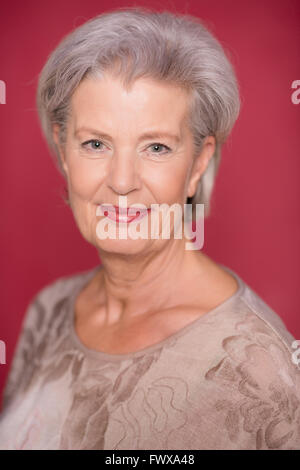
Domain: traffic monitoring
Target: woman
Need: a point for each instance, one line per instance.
(159, 347)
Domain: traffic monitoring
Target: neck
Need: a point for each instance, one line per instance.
(133, 285)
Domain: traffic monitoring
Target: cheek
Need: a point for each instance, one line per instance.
(84, 179)
(83, 182)
(169, 181)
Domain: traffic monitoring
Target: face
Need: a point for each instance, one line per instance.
(128, 143)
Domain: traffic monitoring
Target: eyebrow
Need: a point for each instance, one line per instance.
(146, 135)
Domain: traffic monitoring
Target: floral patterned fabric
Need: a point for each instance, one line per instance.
(225, 381)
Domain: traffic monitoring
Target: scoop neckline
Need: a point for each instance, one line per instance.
(96, 354)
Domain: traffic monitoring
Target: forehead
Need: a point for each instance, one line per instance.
(147, 103)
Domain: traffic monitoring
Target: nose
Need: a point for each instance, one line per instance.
(123, 175)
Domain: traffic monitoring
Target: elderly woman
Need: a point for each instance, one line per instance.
(158, 347)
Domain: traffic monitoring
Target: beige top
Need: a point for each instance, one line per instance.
(225, 381)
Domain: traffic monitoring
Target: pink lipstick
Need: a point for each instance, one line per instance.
(124, 214)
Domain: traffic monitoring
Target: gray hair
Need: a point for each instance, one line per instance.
(175, 48)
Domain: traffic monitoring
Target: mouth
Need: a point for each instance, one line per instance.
(124, 214)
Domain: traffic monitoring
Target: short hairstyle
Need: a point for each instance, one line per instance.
(167, 46)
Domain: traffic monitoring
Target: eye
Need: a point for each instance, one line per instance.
(92, 144)
(155, 145)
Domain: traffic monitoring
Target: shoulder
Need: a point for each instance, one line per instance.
(44, 312)
(54, 293)
(260, 320)
(245, 311)
(258, 376)
(63, 286)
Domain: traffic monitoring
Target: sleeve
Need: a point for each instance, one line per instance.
(34, 329)
(24, 349)
(259, 383)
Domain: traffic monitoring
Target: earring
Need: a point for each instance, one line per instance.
(66, 196)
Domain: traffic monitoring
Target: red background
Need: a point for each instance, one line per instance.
(255, 223)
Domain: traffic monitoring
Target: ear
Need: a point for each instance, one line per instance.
(200, 163)
(55, 134)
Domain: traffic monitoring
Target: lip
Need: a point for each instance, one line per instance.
(120, 214)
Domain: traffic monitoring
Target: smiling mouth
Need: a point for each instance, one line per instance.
(124, 214)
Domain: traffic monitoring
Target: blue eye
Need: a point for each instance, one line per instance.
(160, 145)
(95, 144)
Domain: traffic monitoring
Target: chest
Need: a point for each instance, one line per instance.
(135, 335)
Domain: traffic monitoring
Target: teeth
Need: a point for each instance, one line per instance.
(122, 219)
(121, 215)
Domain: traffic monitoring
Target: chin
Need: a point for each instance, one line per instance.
(124, 247)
